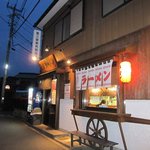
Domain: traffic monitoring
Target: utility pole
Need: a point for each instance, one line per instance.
(12, 18)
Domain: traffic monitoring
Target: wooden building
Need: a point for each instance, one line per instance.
(91, 33)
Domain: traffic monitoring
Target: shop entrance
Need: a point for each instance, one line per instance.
(49, 110)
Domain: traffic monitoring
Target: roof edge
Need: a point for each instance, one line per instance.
(45, 13)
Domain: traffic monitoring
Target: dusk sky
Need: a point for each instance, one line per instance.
(20, 56)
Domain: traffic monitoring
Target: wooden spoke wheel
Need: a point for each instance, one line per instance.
(96, 128)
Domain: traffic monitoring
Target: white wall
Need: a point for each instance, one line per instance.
(137, 136)
(66, 121)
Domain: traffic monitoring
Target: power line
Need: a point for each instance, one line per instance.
(21, 41)
(3, 19)
(27, 17)
(17, 51)
(22, 47)
(28, 25)
(24, 38)
(27, 22)
(23, 5)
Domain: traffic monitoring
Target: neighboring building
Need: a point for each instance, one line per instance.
(24, 81)
(96, 36)
(9, 93)
(16, 90)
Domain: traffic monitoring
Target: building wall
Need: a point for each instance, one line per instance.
(140, 84)
(98, 30)
(126, 27)
(136, 135)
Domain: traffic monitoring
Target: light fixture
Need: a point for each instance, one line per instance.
(7, 87)
(68, 61)
(34, 58)
(95, 90)
(125, 72)
(47, 49)
(6, 66)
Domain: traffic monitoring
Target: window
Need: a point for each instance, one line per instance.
(111, 5)
(69, 25)
(66, 27)
(104, 98)
(76, 18)
(62, 30)
(58, 33)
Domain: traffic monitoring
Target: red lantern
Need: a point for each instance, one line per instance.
(125, 72)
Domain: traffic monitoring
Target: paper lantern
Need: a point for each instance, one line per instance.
(125, 72)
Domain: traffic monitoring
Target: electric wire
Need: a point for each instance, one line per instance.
(3, 19)
(22, 36)
(27, 17)
(21, 53)
(21, 41)
(23, 5)
(28, 25)
(19, 45)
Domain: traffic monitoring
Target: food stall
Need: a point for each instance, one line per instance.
(100, 95)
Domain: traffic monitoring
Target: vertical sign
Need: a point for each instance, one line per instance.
(98, 75)
(36, 45)
(107, 67)
(67, 91)
(78, 79)
(84, 79)
(30, 99)
(91, 78)
(54, 83)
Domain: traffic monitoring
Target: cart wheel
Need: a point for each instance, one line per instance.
(96, 128)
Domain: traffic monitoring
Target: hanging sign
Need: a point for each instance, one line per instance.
(78, 79)
(91, 77)
(107, 67)
(36, 44)
(48, 64)
(98, 76)
(94, 77)
(54, 83)
(84, 79)
(67, 91)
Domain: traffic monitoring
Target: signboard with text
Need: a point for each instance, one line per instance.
(36, 46)
(48, 64)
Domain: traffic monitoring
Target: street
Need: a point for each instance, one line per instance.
(16, 135)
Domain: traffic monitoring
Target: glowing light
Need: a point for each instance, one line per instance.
(46, 49)
(113, 88)
(125, 72)
(6, 66)
(7, 87)
(68, 61)
(30, 96)
(84, 101)
(95, 90)
(34, 58)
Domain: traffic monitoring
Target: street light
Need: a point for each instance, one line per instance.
(6, 66)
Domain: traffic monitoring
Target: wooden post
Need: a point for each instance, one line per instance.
(122, 135)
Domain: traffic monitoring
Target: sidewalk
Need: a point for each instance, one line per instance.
(61, 137)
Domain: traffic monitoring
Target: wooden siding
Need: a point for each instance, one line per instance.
(124, 27)
(97, 30)
(139, 88)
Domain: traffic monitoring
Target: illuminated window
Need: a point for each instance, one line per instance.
(104, 97)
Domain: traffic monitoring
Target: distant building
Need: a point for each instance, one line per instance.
(16, 90)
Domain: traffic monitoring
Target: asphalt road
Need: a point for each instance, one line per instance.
(16, 135)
